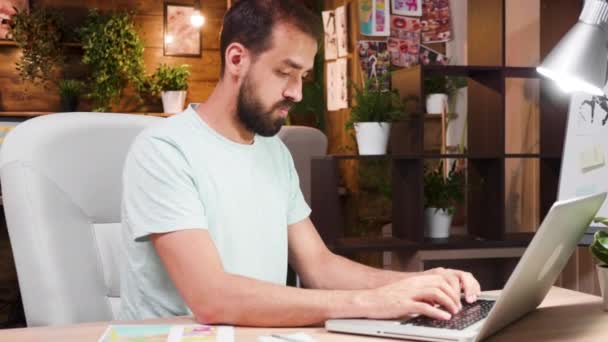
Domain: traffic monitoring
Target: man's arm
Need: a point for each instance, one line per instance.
(319, 268)
(215, 296)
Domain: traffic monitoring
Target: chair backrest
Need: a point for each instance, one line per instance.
(304, 143)
(61, 186)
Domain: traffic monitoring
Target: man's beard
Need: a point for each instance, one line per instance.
(252, 115)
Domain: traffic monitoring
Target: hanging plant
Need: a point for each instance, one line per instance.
(39, 35)
(114, 53)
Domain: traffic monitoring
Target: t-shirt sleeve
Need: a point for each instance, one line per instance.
(159, 190)
(298, 209)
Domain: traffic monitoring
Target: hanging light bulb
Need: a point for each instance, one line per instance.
(197, 19)
(168, 39)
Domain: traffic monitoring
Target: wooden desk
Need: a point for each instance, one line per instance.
(564, 316)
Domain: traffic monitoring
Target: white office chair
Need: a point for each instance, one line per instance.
(61, 186)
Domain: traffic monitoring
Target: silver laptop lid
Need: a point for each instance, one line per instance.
(543, 260)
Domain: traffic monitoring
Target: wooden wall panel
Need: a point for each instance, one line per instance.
(17, 96)
(485, 31)
(580, 274)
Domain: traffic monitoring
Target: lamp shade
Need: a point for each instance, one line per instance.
(578, 62)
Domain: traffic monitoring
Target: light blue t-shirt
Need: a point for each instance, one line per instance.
(181, 174)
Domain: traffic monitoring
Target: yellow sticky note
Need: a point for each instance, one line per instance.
(592, 157)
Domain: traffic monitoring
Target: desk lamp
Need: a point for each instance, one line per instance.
(578, 62)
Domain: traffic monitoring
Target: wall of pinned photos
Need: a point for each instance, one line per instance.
(403, 32)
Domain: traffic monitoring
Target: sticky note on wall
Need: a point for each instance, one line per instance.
(592, 158)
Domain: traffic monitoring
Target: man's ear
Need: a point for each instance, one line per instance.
(238, 59)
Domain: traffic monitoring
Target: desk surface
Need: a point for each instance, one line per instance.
(564, 316)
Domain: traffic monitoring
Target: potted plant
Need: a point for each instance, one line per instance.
(113, 52)
(70, 91)
(172, 83)
(439, 89)
(599, 250)
(39, 35)
(441, 195)
(371, 117)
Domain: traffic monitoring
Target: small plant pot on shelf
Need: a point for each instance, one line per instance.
(602, 275)
(173, 101)
(372, 137)
(436, 103)
(437, 223)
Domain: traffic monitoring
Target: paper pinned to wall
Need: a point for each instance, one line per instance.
(342, 34)
(342, 83)
(435, 21)
(404, 43)
(337, 83)
(592, 158)
(330, 36)
(375, 60)
(407, 7)
(374, 17)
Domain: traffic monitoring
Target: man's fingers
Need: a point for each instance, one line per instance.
(431, 311)
(470, 285)
(439, 296)
(454, 282)
(452, 295)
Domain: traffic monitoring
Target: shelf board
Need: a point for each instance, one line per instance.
(440, 156)
(468, 70)
(391, 156)
(521, 72)
(14, 43)
(458, 70)
(349, 245)
(30, 114)
(527, 155)
(8, 43)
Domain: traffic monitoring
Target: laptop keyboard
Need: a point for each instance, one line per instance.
(470, 314)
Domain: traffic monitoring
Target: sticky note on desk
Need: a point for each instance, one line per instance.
(592, 158)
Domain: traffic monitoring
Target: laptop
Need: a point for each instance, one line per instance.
(527, 286)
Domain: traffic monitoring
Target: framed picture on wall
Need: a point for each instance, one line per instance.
(7, 10)
(181, 38)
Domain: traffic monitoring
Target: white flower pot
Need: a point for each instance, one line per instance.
(436, 103)
(602, 274)
(372, 137)
(437, 223)
(173, 101)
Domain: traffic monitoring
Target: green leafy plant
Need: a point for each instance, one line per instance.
(39, 35)
(443, 192)
(167, 78)
(599, 247)
(440, 84)
(313, 97)
(375, 105)
(70, 88)
(114, 53)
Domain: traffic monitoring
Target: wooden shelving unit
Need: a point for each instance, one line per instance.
(486, 153)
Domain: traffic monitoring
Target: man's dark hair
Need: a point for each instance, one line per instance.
(250, 22)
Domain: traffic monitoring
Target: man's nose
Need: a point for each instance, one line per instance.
(293, 91)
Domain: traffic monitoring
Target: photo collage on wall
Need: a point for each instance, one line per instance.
(336, 51)
(412, 24)
(375, 63)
